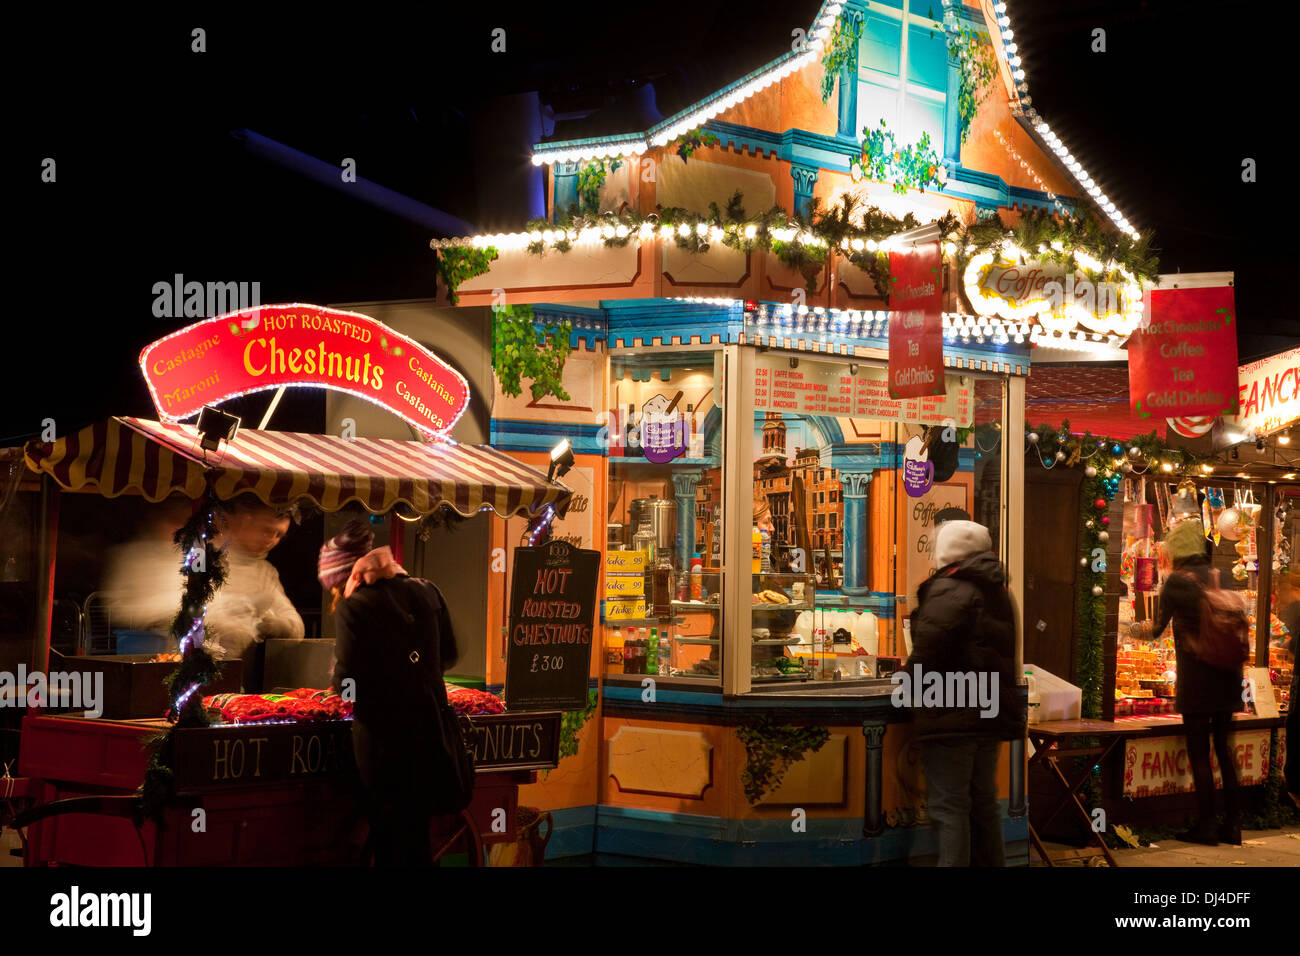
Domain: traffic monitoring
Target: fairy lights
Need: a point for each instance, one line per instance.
(629, 146)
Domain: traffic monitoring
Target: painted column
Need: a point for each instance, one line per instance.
(951, 111)
(854, 485)
(566, 188)
(804, 179)
(848, 102)
(684, 485)
(873, 816)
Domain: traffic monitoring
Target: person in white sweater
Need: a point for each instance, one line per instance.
(251, 606)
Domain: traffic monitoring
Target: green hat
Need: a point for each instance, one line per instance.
(1186, 539)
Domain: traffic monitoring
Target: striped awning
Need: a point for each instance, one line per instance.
(156, 459)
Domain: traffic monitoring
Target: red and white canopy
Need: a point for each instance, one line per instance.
(156, 459)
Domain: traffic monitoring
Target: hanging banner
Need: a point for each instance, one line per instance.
(916, 322)
(1154, 766)
(1183, 362)
(273, 345)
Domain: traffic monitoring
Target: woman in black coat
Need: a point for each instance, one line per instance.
(1207, 696)
(394, 641)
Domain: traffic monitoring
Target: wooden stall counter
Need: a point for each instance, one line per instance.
(256, 794)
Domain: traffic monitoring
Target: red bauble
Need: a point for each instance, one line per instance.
(1105, 519)
(1101, 502)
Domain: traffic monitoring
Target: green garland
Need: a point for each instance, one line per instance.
(977, 66)
(519, 351)
(197, 668)
(841, 51)
(804, 242)
(882, 160)
(770, 749)
(456, 264)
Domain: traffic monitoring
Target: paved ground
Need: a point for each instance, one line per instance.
(1259, 848)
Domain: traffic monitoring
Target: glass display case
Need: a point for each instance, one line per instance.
(663, 607)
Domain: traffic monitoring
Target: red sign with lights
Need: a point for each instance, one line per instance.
(274, 345)
(916, 322)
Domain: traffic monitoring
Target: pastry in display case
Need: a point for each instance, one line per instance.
(777, 602)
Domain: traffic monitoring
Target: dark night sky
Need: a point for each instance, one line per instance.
(150, 182)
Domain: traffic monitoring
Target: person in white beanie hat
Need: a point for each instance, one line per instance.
(960, 539)
(964, 634)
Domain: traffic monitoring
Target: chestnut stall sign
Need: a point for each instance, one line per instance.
(271, 346)
(552, 624)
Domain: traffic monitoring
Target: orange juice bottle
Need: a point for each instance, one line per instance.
(756, 562)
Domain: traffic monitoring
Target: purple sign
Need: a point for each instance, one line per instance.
(663, 430)
(918, 476)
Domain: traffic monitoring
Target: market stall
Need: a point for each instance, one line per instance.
(1235, 477)
(271, 780)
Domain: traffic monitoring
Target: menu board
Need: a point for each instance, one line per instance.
(824, 388)
(552, 621)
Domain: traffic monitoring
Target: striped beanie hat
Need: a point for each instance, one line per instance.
(339, 553)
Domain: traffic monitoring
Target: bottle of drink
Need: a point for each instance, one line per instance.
(756, 561)
(697, 577)
(683, 587)
(632, 436)
(1035, 702)
(663, 586)
(665, 653)
(639, 657)
(767, 551)
(652, 653)
(614, 651)
(629, 652)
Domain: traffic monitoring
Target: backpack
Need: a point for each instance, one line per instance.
(451, 762)
(1223, 640)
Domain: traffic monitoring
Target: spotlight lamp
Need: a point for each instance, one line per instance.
(215, 426)
(561, 460)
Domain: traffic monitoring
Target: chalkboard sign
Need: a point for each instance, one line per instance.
(552, 626)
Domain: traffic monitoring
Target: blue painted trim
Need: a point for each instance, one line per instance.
(573, 832)
(512, 434)
(718, 841)
(663, 695)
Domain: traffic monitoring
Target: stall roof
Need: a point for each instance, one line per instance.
(157, 459)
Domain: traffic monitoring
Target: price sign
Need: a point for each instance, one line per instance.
(552, 620)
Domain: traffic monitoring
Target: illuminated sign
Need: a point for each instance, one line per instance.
(1269, 392)
(1023, 288)
(269, 346)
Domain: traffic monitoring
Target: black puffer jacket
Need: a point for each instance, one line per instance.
(964, 623)
(1202, 689)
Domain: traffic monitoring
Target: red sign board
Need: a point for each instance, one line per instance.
(1183, 361)
(916, 322)
(274, 345)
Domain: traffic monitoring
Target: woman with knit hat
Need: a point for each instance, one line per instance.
(394, 639)
(1207, 696)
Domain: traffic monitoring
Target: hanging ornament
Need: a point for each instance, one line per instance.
(1134, 451)
(1103, 536)
(1060, 456)
(1090, 472)
(1126, 467)
(1100, 503)
(1105, 519)
(1033, 438)
(1089, 524)
(1083, 562)
(1097, 590)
